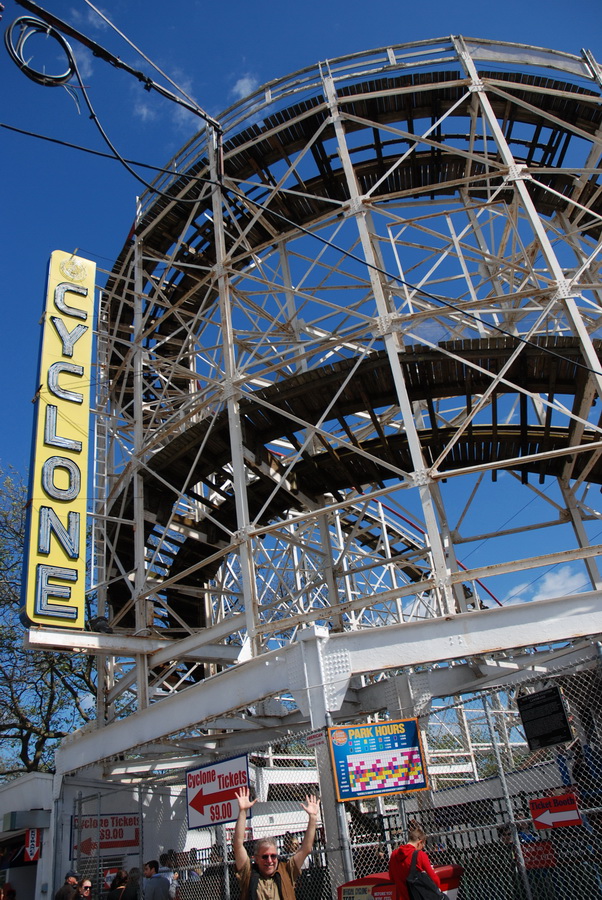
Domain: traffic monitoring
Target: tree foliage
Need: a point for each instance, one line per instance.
(43, 695)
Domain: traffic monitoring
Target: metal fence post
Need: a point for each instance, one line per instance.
(520, 862)
(223, 838)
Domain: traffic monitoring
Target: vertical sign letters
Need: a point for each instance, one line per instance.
(55, 564)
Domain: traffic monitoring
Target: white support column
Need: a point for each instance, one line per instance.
(329, 573)
(443, 588)
(231, 398)
(104, 664)
(466, 737)
(572, 507)
(519, 176)
(291, 308)
(142, 605)
(314, 696)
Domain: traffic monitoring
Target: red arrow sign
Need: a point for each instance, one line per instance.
(200, 800)
(555, 812)
(108, 876)
(87, 846)
(549, 819)
(32, 845)
(210, 791)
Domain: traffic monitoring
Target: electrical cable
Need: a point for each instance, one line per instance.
(139, 52)
(419, 290)
(102, 53)
(92, 152)
(16, 50)
(30, 26)
(113, 148)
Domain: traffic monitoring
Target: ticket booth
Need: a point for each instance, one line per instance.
(379, 887)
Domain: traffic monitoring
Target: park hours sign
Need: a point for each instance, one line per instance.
(210, 791)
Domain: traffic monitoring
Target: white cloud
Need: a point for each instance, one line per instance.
(87, 702)
(145, 111)
(89, 19)
(517, 594)
(149, 107)
(557, 583)
(97, 21)
(245, 85)
(84, 60)
(182, 118)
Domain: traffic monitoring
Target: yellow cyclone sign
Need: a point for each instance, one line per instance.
(55, 566)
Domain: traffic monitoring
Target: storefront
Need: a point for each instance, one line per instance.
(25, 862)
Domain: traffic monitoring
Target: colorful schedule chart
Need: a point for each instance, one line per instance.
(377, 758)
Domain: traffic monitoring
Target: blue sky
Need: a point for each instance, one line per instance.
(57, 198)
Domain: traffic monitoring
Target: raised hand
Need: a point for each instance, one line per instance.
(311, 805)
(244, 802)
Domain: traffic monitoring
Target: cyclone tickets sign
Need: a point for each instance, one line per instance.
(210, 791)
(54, 582)
(94, 834)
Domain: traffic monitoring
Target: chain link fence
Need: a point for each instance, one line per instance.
(489, 807)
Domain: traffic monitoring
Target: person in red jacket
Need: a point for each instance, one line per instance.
(401, 859)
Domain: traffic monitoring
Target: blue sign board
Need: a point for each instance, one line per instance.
(377, 758)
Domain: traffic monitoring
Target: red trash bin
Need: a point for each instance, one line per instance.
(450, 877)
(379, 887)
(371, 887)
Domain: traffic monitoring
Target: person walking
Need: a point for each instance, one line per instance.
(68, 889)
(156, 887)
(266, 877)
(83, 890)
(118, 885)
(401, 861)
(132, 885)
(166, 868)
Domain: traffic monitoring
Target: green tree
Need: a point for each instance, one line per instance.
(43, 695)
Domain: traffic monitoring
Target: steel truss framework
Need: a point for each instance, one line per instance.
(349, 367)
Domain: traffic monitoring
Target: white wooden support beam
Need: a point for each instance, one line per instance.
(390, 647)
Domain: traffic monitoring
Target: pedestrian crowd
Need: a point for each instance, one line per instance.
(124, 886)
(262, 872)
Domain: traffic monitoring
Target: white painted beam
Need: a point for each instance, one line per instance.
(472, 634)
(234, 689)
(195, 647)
(376, 649)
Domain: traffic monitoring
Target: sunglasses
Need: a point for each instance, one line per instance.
(269, 856)
(87, 887)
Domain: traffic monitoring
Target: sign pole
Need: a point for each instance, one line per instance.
(334, 818)
(342, 820)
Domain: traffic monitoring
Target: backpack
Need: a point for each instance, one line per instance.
(420, 885)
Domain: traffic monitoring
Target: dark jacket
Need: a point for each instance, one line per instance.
(66, 892)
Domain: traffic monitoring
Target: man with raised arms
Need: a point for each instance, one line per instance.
(266, 877)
